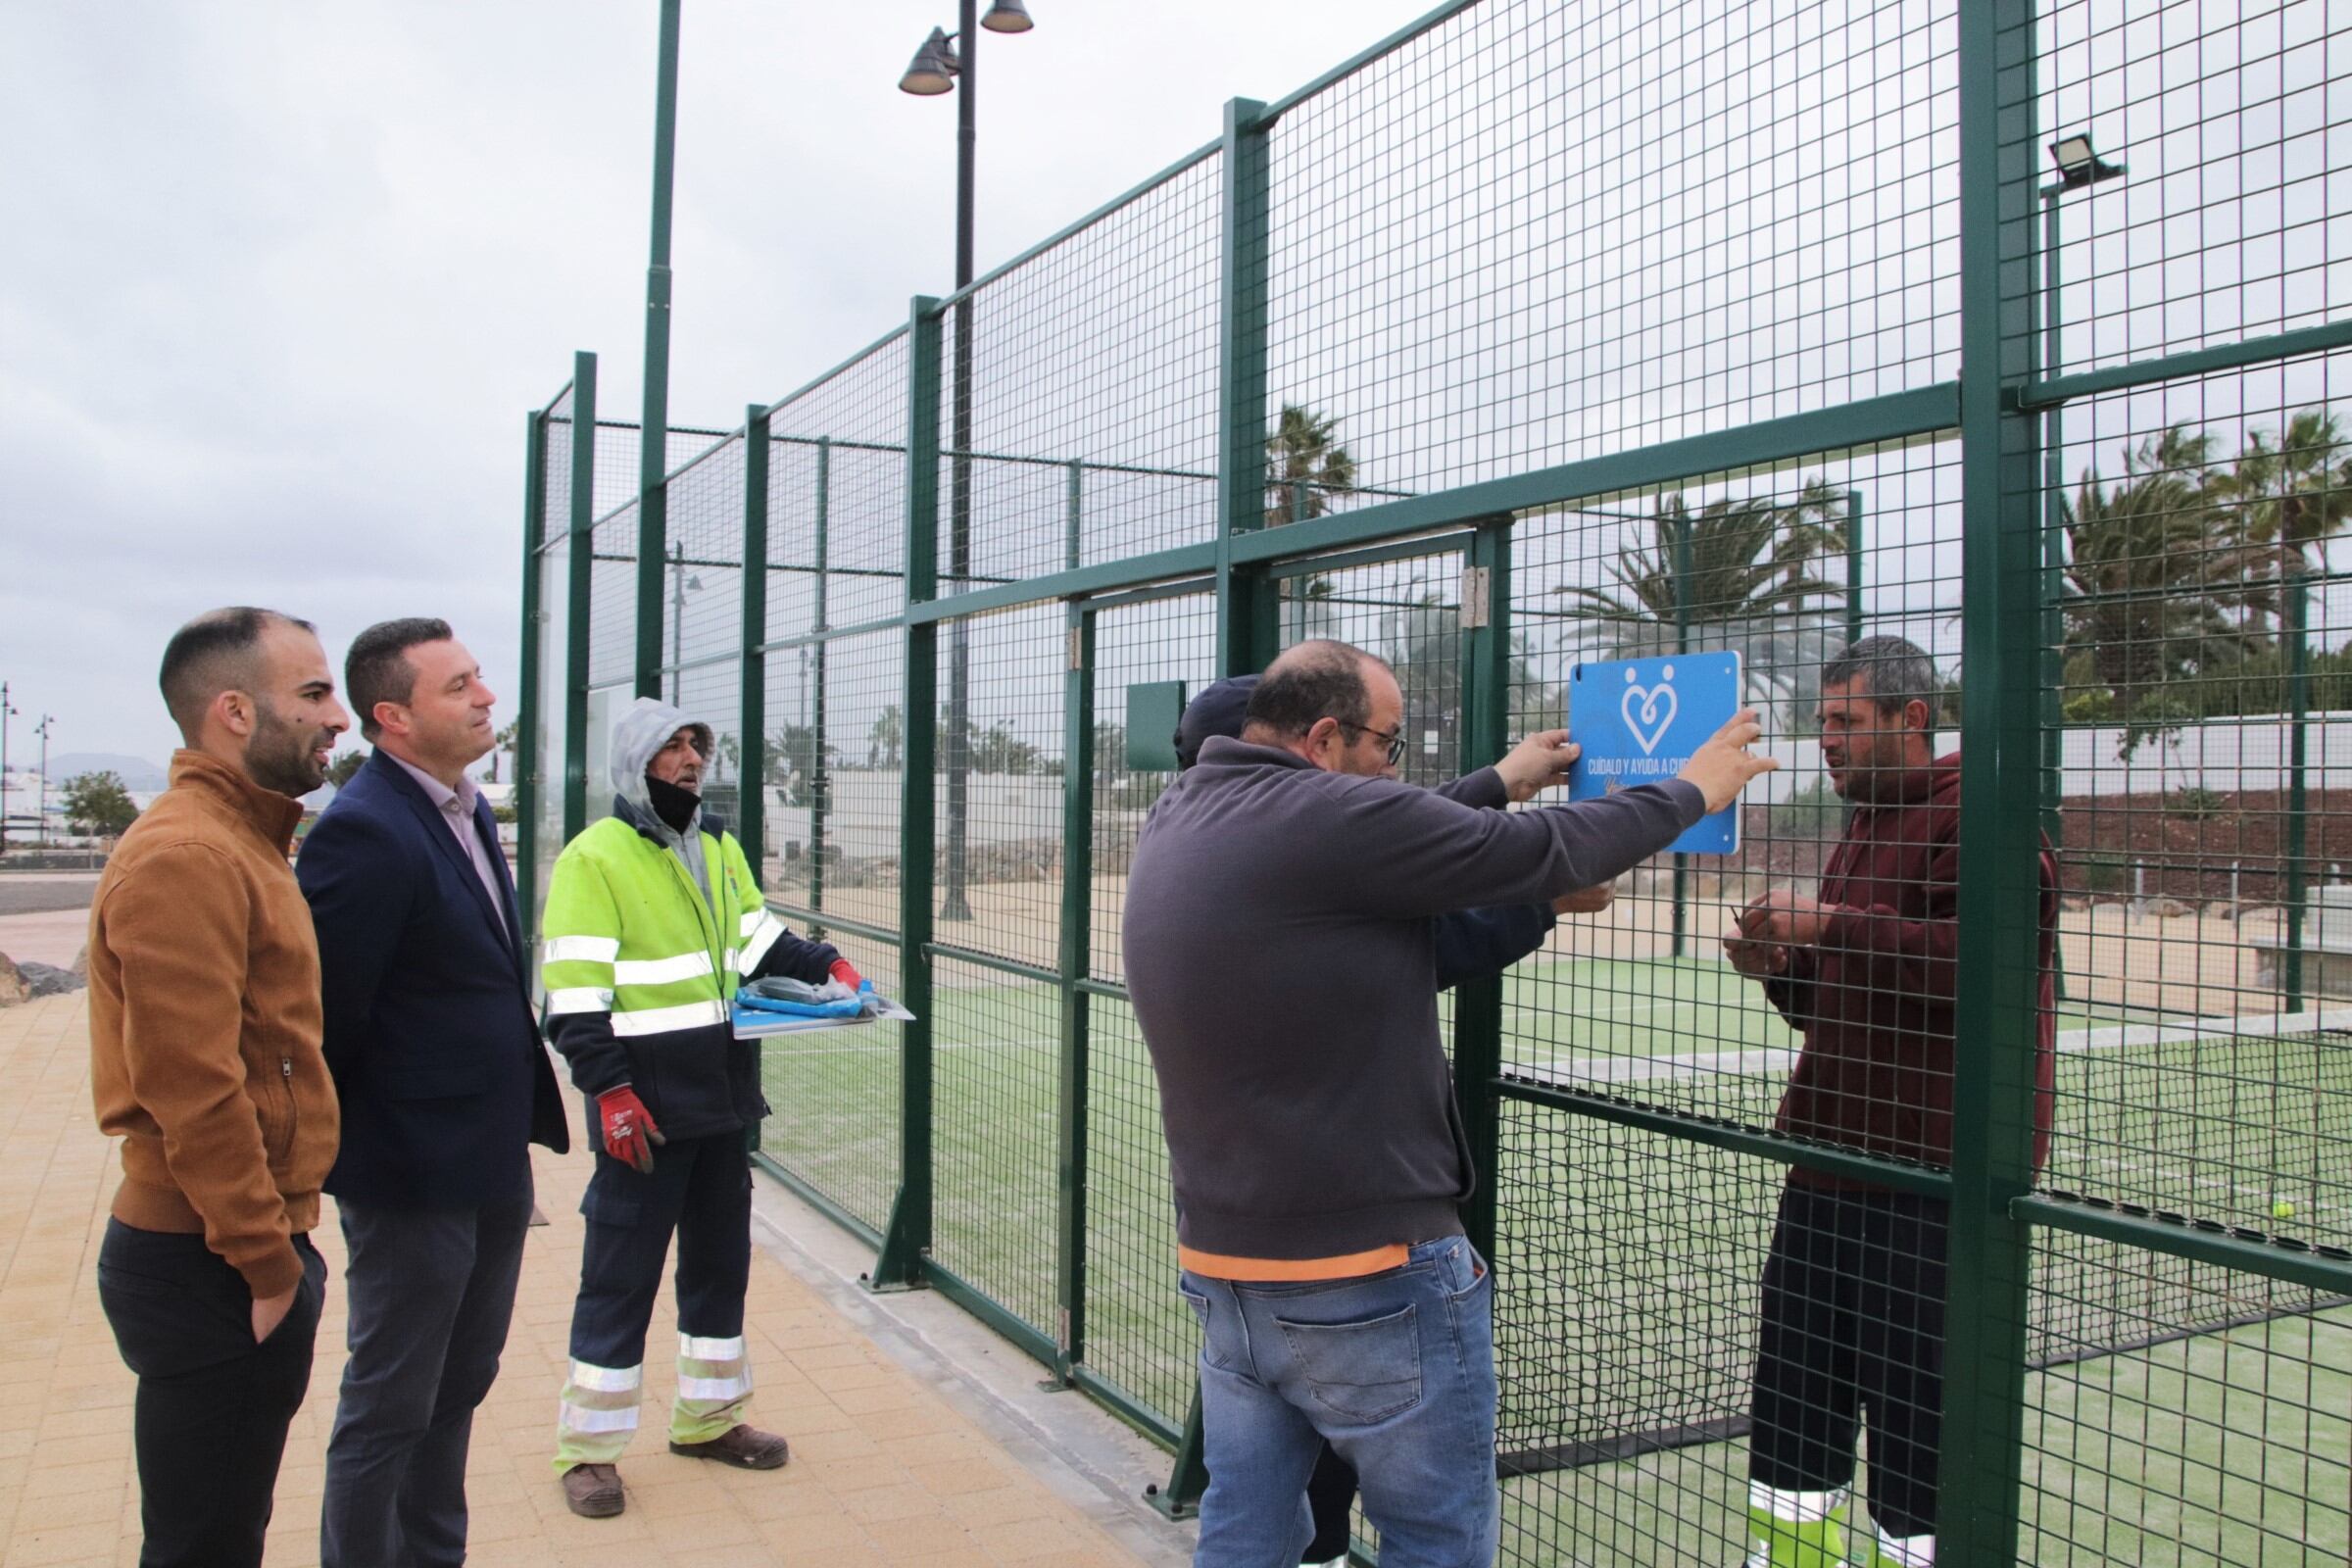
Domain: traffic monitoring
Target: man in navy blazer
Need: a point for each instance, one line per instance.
(435, 1052)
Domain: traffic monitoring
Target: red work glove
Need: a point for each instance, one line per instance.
(847, 973)
(628, 1127)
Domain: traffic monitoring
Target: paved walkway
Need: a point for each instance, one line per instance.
(885, 1470)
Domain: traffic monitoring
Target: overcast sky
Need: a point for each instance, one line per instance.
(278, 281)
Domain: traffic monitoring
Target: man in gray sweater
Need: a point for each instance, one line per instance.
(1280, 958)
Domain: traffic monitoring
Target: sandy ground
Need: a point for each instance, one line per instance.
(51, 937)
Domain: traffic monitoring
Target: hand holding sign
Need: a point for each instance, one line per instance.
(1538, 763)
(1722, 765)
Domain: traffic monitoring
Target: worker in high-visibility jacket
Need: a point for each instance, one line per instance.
(653, 920)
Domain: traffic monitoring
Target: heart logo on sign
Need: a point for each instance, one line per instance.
(1655, 707)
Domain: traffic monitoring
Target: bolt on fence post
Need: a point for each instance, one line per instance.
(907, 1238)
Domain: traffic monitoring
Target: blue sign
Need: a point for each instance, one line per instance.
(1640, 719)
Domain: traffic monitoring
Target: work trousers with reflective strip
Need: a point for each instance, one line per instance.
(701, 1188)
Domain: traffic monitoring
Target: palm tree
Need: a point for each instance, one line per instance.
(883, 741)
(2155, 574)
(2286, 499)
(1753, 583)
(502, 743)
(1306, 466)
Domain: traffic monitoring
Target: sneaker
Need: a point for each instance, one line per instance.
(593, 1490)
(743, 1448)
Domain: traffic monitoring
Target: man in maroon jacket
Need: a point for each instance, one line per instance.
(1853, 1291)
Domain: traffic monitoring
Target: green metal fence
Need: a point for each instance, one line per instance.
(1547, 331)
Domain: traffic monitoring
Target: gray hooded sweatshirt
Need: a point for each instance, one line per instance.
(643, 728)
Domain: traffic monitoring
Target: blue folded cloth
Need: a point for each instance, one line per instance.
(797, 999)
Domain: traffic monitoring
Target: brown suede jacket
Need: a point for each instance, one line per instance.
(205, 1023)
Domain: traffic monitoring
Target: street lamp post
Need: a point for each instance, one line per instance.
(943, 62)
(6, 710)
(2078, 169)
(679, 585)
(41, 811)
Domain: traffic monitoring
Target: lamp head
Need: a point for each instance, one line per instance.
(933, 68)
(2079, 162)
(1007, 16)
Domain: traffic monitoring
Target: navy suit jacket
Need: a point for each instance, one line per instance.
(430, 1034)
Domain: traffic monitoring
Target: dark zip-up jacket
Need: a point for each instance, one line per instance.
(1281, 958)
(1874, 998)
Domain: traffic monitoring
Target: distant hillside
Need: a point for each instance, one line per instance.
(136, 773)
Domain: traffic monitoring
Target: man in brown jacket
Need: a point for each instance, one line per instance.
(205, 1059)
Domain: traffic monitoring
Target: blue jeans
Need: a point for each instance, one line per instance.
(1396, 1370)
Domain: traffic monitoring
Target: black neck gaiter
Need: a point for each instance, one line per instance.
(672, 805)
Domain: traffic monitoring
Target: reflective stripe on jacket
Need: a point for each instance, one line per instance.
(639, 971)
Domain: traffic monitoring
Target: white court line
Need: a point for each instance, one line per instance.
(2211, 1026)
(2218, 1028)
(1753, 1061)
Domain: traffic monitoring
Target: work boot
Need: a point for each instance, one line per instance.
(1817, 1540)
(743, 1448)
(593, 1490)
(1889, 1551)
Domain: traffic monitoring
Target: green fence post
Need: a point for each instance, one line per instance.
(1485, 724)
(2049, 517)
(1997, 1024)
(2298, 706)
(751, 781)
(653, 435)
(1077, 944)
(579, 581)
(1853, 567)
(1188, 1479)
(527, 699)
(1247, 606)
(821, 770)
(1682, 646)
(1244, 612)
(906, 1239)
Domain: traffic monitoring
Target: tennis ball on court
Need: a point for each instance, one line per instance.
(2282, 1210)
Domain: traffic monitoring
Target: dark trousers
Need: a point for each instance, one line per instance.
(701, 1188)
(210, 1424)
(432, 1293)
(1852, 1331)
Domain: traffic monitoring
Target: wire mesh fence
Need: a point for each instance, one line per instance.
(1970, 373)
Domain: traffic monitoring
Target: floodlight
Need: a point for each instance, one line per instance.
(933, 69)
(1007, 16)
(2079, 162)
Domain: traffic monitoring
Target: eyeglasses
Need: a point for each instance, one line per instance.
(1394, 738)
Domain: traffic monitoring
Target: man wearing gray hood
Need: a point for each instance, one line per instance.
(652, 920)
